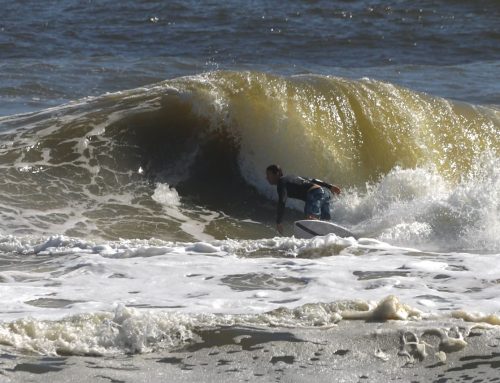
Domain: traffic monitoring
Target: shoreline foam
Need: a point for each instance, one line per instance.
(352, 351)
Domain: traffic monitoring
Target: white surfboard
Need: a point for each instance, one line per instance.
(313, 228)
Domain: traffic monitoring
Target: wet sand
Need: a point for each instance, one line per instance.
(352, 351)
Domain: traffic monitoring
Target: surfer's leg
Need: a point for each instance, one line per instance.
(312, 209)
(325, 207)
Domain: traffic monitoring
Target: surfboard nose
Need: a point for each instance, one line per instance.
(313, 228)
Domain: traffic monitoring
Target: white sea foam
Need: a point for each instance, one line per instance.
(238, 276)
(170, 201)
(128, 330)
(417, 207)
(160, 292)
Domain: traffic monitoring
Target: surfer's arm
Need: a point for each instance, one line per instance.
(281, 203)
(281, 212)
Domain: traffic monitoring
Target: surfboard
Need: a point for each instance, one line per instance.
(313, 228)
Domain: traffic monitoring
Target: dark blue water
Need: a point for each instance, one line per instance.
(52, 52)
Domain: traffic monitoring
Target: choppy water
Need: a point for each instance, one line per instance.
(134, 196)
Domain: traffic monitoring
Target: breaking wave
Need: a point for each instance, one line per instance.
(184, 158)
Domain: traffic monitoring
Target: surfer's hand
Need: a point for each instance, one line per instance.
(279, 227)
(335, 189)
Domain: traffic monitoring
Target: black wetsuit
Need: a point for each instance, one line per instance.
(294, 187)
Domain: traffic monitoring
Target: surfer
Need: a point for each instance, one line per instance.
(314, 192)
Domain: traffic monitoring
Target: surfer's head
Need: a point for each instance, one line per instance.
(273, 174)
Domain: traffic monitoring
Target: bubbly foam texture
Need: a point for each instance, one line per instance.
(170, 201)
(218, 276)
(418, 207)
(166, 195)
(82, 297)
(129, 330)
(493, 319)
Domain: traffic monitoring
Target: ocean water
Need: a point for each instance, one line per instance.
(134, 137)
